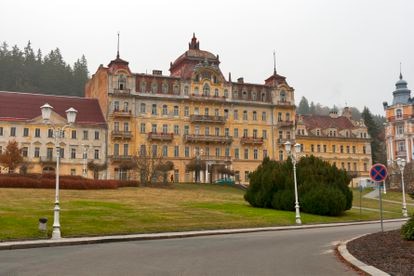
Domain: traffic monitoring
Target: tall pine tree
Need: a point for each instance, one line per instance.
(303, 107)
(377, 145)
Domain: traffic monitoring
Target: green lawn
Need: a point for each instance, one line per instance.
(143, 210)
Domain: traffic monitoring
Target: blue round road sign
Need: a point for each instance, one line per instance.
(378, 172)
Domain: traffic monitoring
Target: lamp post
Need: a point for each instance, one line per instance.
(294, 155)
(57, 134)
(401, 165)
(85, 160)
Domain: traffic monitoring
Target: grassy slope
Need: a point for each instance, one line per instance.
(143, 210)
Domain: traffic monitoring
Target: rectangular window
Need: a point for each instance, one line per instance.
(255, 154)
(176, 129)
(25, 151)
(165, 128)
(142, 128)
(236, 154)
(217, 131)
(347, 149)
(49, 153)
(13, 131)
(254, 133)
(142, 150)
(85, 135)
(154, 150)
(176, 151)
(333, 148)
(126, 126)
(50, 133)
(126, 147)
(165, 151)
(73, 134)
(264, 134)
(187, 151)
(264, 116)
(37, 132)
(264, 153)
(1, 131)
(246, 154)
(218, 152)
(245, 132)
(61, 152)
(186, 111)
(26, 132)
(116, 149)
(227, 151)
(245, 115)
(154, 128)
(154, 109)
(254, 116)
(236, 114)
(353, 149)
(280, 134)
(73, 153)
(96, 154)
(73, 172)
(186, 129)
(236, 133)
(324, 148)
(96, 135)
(207, 131)
(36, 152)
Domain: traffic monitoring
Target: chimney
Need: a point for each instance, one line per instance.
(240, 80)
(157, 72)
(333, 114)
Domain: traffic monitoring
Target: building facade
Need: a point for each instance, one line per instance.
(194, 113)
(21, 120)
(399, 127)
(339, 140)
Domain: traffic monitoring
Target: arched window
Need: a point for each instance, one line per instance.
(226, 93)
(164, 88)
(399, 113)
(206, 90)
(254, 96)
(216, 92)
(154, 87)
(121, 82)
(164, 110)
(175, 110)
(143, 108)
(143, 86)
(244, 95)
(176, 89)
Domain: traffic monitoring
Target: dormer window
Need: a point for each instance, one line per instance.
(164, 88)
(143, 86)
(244, 95)
(197, 78)
(154, 87)
(254, 96)
(318, 132)
(282, 96)
(226, 93)
(121, 82)
(214, 79)
(399, 113)
(196, 90)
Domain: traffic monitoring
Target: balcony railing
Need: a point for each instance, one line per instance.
(283, 140)
(402, 153)
(284, 102)
(207, 119)
(196, 138)
(252, 140)
(122, 92)
(118, 134)
(122, 113)
(285, 123)
(202, 97)
(48, 159)
(399, 118)
(215, 158)
(160, 136)
(121, 158)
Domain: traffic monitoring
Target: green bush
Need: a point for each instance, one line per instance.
(323, 188)
(323, 200)
(407, 230)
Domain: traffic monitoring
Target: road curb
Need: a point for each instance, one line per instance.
(168, 235)
(354, 262)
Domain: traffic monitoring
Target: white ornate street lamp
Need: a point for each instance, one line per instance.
(57, 134)
(294, 155)
(401, 165)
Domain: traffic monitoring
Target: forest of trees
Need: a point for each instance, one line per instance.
(29, 71)
(374, 123)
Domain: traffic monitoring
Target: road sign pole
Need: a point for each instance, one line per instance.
(385, 189)
(380, 204)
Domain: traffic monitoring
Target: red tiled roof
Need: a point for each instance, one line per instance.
(324, 122)
(15, 106)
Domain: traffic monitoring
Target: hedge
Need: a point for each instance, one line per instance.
(65, 182)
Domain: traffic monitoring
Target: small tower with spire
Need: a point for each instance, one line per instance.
(194, 44)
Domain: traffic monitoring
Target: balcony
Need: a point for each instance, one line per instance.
(402, 154)
(122, 113)
(197, 97)
(207, 119)
(285, 124)
(216, 159)
(48, 159)
(399, 118)
(283, 140)
(284, 103)
(162, 136)
(122, 92)
(251, 140)
(121, 158)
(196, 138)
(117, 134)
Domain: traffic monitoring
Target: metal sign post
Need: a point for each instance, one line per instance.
(378, 173)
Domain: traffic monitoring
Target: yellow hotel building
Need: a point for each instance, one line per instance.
(193, 113)
(337, 139)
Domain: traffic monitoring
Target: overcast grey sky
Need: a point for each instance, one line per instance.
(332, 52)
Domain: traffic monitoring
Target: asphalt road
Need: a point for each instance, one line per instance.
(290, 252)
